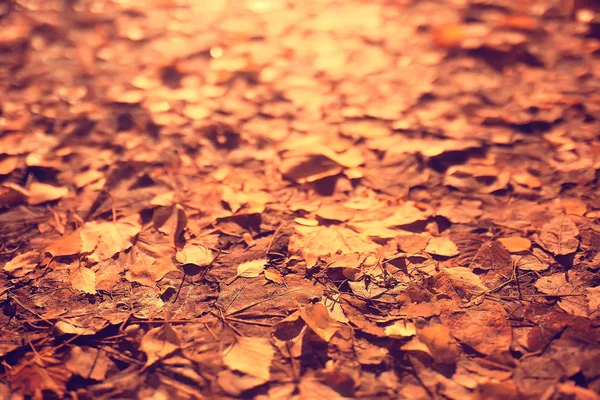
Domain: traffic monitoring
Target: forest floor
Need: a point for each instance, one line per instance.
(276, 199)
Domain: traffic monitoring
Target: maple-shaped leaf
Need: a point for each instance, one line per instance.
(159, 342)
(559, 236)
(83, 279)
(250, 355)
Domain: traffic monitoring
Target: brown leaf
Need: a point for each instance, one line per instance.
(250, 355)
(459, 280)
(441, 344)
(39, 193)
(194, 254)
(83, 279)
(68, 245)
(442, 246)
(159, 342)
(477, 253)
(89, 363)
(105, 239)
(484, 327)
(515, 244)
(318, 319)
(573, 301)
(235, 384)
(559, 236)
(22, 264)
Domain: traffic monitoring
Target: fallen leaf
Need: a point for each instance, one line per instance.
(83, 279)
(194, 254)
(401, 329)
(459, 280)
(483, 327)
(571, 291)
(440, 342)
(274, 276)
(22, 264)
(250, 355)
(89, 363)
(159, 342)
(39, 193)
(559, 236)
(68, 245)
(251, 269)
(515, 244)
(235, 384)
(442, 246)
(318, 319)
(105, 239)
(536, 260)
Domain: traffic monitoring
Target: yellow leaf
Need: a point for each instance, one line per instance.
(251, 269)
(250, 355)
(401, 329)
(194, 254)
(84, 280)
(274, 276)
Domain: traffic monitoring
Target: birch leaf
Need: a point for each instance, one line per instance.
(84, 280)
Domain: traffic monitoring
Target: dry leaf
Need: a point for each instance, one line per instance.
(194, 254)
(515, 244)
(318, 319)
(250, 355)
(462, 281)
(571, 291)
(484, 328)
(159, 342)
(89, 363)
(39, 193)
(83, 279)
(234, 384)
(559, 236)
(401, 329)
(274, 276)
(441, 344)
(536, 260)
(105, 239)
(68, 245)
(251, 269)
(442, 246)
(22, 264)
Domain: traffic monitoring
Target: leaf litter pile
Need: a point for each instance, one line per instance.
(299, 200)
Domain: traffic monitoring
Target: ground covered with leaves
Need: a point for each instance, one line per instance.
(299, 200)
